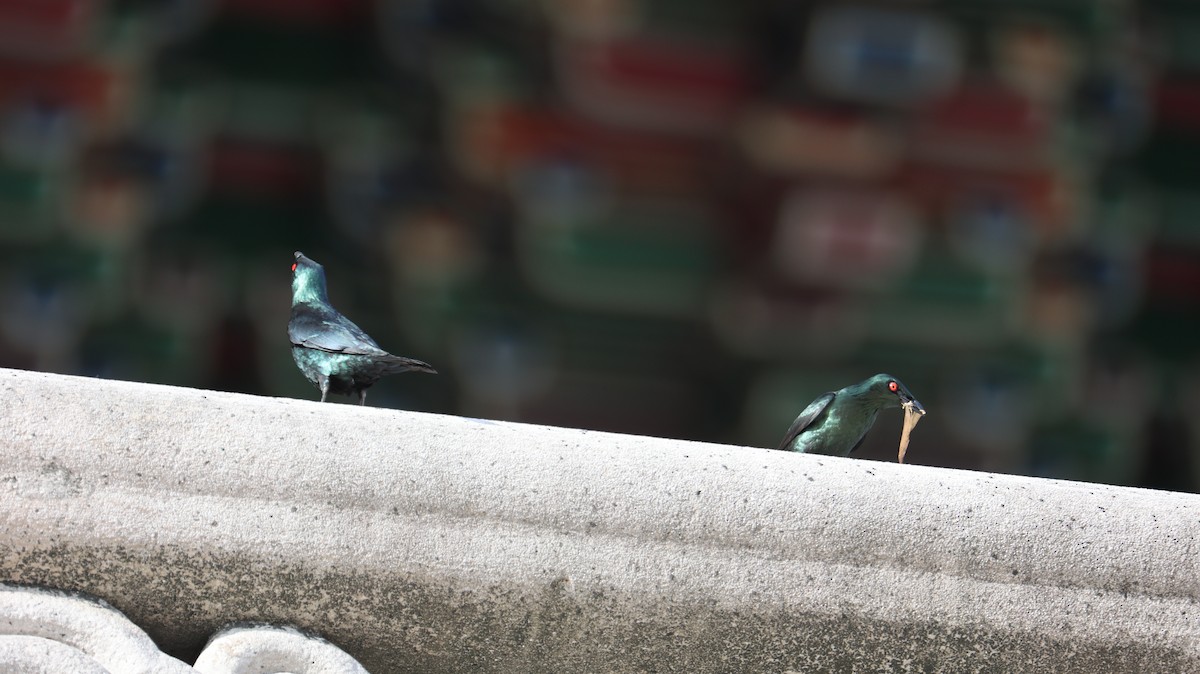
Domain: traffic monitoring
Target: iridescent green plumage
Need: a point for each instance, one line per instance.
(330, 350)
(836, 422)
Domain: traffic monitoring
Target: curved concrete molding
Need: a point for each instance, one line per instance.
(38, 655)
(426, 543)
(273, 650)
(54, 632)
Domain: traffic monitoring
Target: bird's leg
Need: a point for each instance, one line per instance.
(362, 397)
(323, 382)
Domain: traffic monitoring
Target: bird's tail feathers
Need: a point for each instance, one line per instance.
(402, 364)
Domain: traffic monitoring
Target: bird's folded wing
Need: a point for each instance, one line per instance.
(333, 333)
(810, 413)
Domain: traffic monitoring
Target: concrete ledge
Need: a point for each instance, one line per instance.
(426, 543)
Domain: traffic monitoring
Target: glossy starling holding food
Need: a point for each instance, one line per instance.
(836, 422)
(330, 350)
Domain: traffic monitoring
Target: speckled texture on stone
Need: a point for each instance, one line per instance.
(427, 543)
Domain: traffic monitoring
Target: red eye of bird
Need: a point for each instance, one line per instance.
(293, 266)
(893, 387)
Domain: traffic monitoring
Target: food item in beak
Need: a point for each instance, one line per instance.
(912, 414)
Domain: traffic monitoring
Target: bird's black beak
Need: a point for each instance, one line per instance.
(916, 404)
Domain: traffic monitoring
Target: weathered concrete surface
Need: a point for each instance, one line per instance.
(425, 543)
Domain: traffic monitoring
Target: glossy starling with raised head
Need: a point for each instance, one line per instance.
(331, 351)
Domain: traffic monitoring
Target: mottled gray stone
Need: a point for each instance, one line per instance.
(427, 543)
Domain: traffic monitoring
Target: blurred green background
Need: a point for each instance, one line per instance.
(683, 218)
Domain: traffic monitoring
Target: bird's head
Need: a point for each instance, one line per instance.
(308, 280)
(890, 392)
